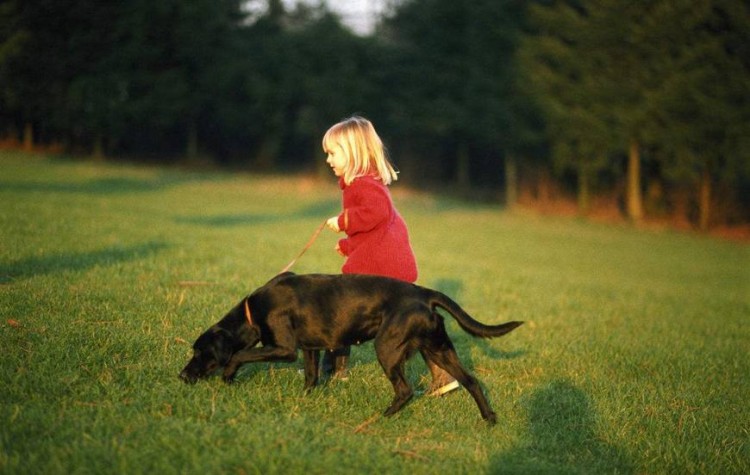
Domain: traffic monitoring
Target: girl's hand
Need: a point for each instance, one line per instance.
(338, 249)
(333, 224)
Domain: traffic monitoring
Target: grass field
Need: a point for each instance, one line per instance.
(634, 357)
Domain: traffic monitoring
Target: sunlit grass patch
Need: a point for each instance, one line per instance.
(632, 360)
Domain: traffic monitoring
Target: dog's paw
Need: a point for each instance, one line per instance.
(389, 412)
(491, 418)
(188, 378)
(228, 378)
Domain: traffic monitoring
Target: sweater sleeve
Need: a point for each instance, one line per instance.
(366, 206)
(344, 246)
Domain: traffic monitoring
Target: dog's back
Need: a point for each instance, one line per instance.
(335, 294)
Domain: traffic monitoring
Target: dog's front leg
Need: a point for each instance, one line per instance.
(311, 359)
(254, 355)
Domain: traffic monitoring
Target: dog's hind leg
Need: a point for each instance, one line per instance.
(393, 361)
(402, 389)
(311, 359)
(438, 347)
(447, 359)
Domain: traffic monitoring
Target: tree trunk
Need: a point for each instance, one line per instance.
(98, 152)
(266, 158)
(463, 179)
(192, 142)
(704, 201)
(28, 137)
(584, 191)
(511, 181)
(544, 186)
(634, 196)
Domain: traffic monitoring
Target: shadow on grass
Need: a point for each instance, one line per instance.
(75, 261)
(561, 437)
(103, 186)
(322, 210)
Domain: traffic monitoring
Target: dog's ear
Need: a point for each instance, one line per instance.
(223, 345)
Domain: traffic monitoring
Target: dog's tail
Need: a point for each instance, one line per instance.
(465, 321)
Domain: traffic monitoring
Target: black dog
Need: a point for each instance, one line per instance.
(317, 312)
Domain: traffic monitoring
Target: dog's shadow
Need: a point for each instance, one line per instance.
(314, 210)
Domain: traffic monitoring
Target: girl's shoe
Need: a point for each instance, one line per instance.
(334, 365)
(442, 382)
(445, 389)
(341, 372)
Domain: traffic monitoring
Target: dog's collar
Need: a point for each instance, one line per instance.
(248, 315)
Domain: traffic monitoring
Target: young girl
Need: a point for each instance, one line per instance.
(377, 240)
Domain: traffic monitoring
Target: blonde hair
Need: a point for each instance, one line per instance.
(364, 151)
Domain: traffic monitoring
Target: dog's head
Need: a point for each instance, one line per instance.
(211, 351)
(215, 347)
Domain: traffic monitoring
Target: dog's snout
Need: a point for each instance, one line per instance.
(187, 377)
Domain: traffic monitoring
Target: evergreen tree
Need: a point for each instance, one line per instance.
(580, 73)
(34, 65)
(701, 108)
(454, 73)
(174, 55)
(96, 93)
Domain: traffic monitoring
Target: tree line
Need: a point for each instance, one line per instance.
(648, 102)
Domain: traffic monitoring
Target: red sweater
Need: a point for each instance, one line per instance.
(377, 241)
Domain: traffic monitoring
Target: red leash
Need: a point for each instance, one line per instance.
(307, 246)
(248, 314)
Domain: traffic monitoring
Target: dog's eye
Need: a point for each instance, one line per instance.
(212, 366)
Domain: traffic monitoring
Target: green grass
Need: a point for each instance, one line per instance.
(634, 358)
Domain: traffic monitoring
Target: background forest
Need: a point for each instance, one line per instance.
(642, 105)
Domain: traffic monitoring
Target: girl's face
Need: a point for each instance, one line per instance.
(337, 160)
